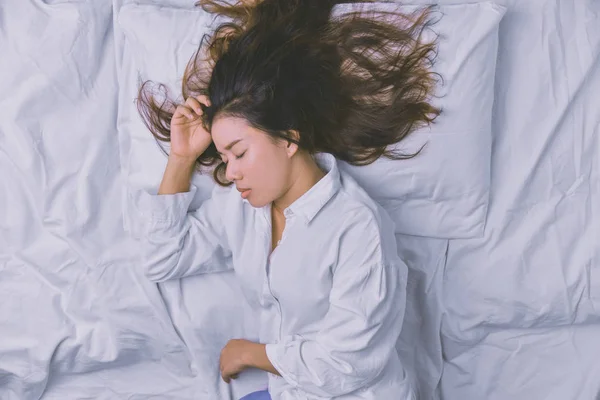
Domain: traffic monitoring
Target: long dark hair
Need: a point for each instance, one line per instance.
(350, 84)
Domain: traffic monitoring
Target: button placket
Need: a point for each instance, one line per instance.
(289, 216)
(268, 295)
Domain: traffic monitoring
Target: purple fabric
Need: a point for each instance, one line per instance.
(260, 395)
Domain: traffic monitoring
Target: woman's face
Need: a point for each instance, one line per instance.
(259, 166)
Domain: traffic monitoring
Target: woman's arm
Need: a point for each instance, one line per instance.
(177, 176)
(358, 334)
(174, 242)
(240, 354)
(256, 357)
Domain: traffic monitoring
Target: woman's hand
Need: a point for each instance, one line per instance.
(189, 139)
(234, 358)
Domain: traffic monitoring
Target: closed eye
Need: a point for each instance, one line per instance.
(240, 156)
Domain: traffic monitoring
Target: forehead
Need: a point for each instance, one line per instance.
(228, 129)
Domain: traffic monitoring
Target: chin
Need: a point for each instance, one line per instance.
(256, 203)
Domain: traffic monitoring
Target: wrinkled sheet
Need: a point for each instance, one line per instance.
(514, 315)
(76, 320)
(521, 306)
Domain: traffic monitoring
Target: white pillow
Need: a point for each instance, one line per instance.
(443, 192)
(155, 43)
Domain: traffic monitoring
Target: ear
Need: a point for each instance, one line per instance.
(291, 147)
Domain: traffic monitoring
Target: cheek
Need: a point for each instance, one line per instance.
(266, 173)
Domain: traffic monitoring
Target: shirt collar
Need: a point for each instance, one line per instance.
(311, 202)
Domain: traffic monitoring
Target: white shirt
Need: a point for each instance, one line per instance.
(331, 295)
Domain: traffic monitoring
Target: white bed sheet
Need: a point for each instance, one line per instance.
(522, 304)
(76, 322)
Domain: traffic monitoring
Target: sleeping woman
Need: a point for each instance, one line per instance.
(273, 98)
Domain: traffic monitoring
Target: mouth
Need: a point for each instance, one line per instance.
(245, 192)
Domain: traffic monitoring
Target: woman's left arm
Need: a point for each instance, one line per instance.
(256, 357)
(360, 330)
(240, 354)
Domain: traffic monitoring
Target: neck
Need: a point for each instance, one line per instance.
(305, 174)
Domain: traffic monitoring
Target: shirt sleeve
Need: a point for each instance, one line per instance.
(176, 242)
(360, 331)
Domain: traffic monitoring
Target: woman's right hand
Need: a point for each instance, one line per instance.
(189, 139)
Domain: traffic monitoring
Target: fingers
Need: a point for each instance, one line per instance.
(183, 111)
(222, 369)
(204, 100)
(228, 379)
(226, 376)
(191, 109)
(193, 104)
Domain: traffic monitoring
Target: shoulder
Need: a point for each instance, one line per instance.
(356, 216)
(365, 225)
(359, 207)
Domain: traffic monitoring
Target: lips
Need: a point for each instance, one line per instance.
(245, 192)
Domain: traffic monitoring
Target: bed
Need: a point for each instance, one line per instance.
(503, 296)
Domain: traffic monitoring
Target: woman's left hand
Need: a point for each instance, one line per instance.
(233, 358)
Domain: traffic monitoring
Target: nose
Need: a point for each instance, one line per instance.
(231, 172)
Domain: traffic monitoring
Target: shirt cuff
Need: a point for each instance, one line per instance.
(275, 354)
(164, 209)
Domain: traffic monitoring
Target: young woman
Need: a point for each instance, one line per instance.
(288, 89)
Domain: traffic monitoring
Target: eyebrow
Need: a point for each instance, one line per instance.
(230, 145)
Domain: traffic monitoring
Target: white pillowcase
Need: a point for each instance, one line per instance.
(443, 192)
(153, 43)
